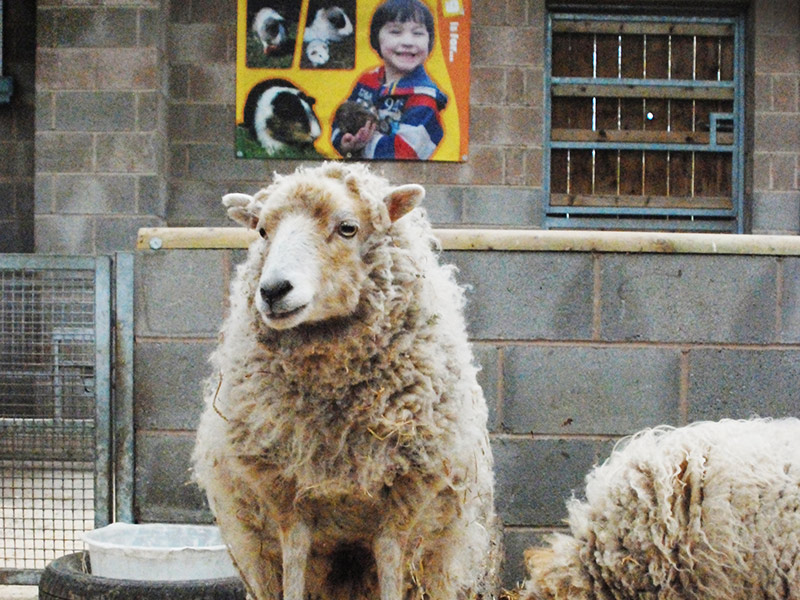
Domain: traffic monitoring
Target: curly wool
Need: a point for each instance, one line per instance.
(349, 408)
(708, 511)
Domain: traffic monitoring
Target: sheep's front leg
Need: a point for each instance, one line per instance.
(388, 552)
(295, 545)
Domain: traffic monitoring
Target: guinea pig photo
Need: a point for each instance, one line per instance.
(328, 37)
(352, 116)
(280, 117)
(271, 33)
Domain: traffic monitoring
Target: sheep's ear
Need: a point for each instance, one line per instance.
(403, 199)
(243, 209)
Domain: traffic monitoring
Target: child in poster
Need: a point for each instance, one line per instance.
(402, 95)
(353, 79)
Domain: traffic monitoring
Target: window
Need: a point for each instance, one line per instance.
(645, 122)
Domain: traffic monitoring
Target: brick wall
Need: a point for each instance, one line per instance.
(17, 129)
(577, 350)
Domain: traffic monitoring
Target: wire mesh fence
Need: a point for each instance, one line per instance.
(48, 358)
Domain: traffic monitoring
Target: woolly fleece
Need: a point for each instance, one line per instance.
(709, 511)
(363, 428)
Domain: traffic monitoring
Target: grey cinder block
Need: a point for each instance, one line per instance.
(776, 212)
(200, 122)
(589, 390)
(95, 194)
(515, 542)
(90, 27)
(197, 203)
(443, 204)
(503, 206)
(526, 295)
(688, 298)
(169, 380)
(63, 152)
(152, 196)
(120, 233)
(179, 293)
(790, 300)
(64, 234)
(164, 491)
(95, 111)
(488, 377)
(127, 153)
(534, 477)
(217, 162)
(741, 383)
(197, 43)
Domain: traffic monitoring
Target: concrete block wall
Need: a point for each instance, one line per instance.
(577, 349)
(135, 115)
(776, 110)
(501, 183)
(180, 299)
(101, 95)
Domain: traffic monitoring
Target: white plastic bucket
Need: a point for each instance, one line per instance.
(158, 552)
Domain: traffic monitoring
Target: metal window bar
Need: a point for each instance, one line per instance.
(55, 435)
(719, 137)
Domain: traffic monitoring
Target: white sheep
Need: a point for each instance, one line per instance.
(344, 449)
(708, 511)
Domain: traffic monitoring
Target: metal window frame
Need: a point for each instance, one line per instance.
(689, 219)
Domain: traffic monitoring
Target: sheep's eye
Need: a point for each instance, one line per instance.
(263, 233)
(348, 229)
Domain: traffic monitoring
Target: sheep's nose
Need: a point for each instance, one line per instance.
(273, 292)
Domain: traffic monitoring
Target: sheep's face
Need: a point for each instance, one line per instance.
(313, 233)
(312, 268)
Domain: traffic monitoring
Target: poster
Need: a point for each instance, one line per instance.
(353, 79)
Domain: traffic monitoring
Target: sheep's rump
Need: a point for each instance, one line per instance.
(707, 511)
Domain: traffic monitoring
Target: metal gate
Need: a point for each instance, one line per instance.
(56, 442)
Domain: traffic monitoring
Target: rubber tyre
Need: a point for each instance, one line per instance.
(66, 579)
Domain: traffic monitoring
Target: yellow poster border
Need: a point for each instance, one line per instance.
(448, 65)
